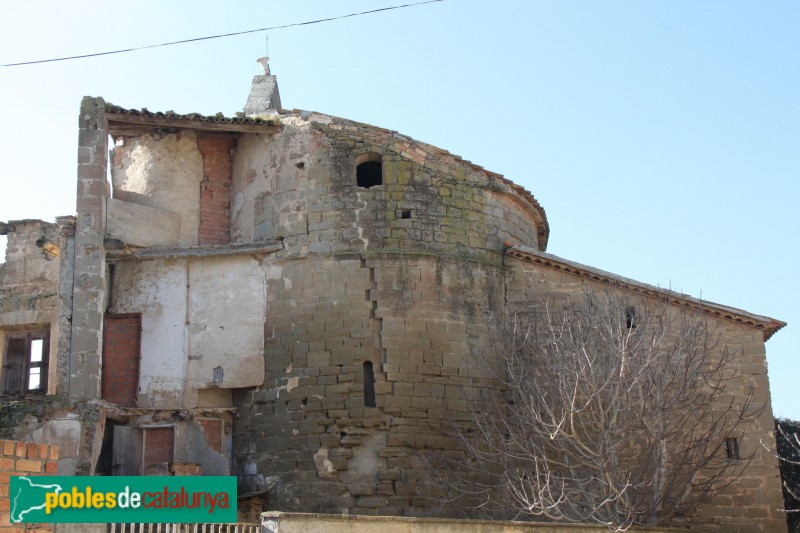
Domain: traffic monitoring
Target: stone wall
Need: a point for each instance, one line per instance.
(26, 262)
(300, 186)
(88, 300)
(752, 502)
(29, 285)
(307, 434)
(346, 347)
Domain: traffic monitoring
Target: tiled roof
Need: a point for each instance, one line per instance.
(219, 118)
(768, 325)
(123, 121)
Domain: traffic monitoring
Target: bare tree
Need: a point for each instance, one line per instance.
(603, 410)
(787, 451)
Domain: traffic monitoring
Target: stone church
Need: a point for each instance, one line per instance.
(289, 297)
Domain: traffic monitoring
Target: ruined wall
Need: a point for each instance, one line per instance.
(29, 285)
(751, 502)
(345, 351)
(163, 172)
(197, 315)
(54, 420)
(25, 259)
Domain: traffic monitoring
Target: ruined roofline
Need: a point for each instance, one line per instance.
(6, 227)
(121, 119)
(768, 325)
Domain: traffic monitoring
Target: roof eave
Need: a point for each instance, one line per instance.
(769, 326)
(122, 121)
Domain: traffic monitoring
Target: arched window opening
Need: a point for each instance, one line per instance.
(369, 385)
(369, 170)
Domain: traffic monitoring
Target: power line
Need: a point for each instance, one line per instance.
(329, 19)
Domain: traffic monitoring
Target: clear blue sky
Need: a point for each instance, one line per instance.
(662, 137)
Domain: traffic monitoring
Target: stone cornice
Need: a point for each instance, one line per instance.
(769, 326)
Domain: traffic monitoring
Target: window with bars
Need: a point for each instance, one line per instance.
(25, 360)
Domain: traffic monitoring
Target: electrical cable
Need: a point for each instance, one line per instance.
(329, 19)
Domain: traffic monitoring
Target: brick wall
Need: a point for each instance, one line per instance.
(158, 445)
(121, 336)
(212, 429)
(215, 204)
(23, 459)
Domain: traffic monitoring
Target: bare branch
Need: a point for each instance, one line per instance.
(603, 410)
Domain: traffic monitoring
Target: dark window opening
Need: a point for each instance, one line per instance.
(25, 363)
(630, 317)
(405, 213)
(732, 448)
(369, 174)
(369, 385)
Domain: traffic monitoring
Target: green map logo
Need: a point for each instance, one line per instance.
(122, 499)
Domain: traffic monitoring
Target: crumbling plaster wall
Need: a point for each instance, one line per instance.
(157, 290)
(272, 184)
(163, 172)
(197, 314)
(76, 427)
(200, 449)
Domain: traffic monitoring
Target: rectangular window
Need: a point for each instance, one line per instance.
(630, 317)
(732, 448)
(25, 360)
(369, 385)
